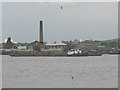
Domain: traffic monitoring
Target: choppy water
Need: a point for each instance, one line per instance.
(57, 72)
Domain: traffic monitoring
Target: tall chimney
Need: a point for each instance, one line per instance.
(41, 32)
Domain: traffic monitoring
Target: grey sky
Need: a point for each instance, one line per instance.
(76, 20)
(0, 22)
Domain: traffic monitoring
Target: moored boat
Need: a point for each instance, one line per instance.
(78, 52)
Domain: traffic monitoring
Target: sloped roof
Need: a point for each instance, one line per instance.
(33, 43)
(55, 44)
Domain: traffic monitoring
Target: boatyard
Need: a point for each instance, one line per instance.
(64, 48)
(59, 45)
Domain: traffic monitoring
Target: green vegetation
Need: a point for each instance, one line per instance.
(37, 47)
(112, 42)
(69, 46)
(21, 44)
(9, 44)
(21, 52)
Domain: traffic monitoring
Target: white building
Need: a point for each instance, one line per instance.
(22, 47)
(55, 46)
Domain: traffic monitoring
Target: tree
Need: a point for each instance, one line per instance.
(9, 44)
(69, 46)
(37, 47)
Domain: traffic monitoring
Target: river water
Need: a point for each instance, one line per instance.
(60, 72)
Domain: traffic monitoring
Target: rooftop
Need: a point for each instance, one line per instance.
(55, 44)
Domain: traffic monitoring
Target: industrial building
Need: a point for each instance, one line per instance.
(43, 46)
(55, 46)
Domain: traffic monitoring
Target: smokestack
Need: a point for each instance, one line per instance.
(41, 32)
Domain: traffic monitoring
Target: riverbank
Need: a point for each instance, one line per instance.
(19, 53)
(32, 53)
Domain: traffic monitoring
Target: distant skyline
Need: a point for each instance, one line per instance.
(97, 21)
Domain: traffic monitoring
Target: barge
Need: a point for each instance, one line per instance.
(72, 52)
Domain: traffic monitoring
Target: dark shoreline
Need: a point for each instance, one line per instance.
(53, 54)
(63, 55)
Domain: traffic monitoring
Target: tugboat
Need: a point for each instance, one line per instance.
(76, 52)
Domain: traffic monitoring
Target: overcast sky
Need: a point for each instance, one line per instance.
(20, 21)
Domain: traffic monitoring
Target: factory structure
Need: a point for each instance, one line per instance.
(45, 46)
(55, 49)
